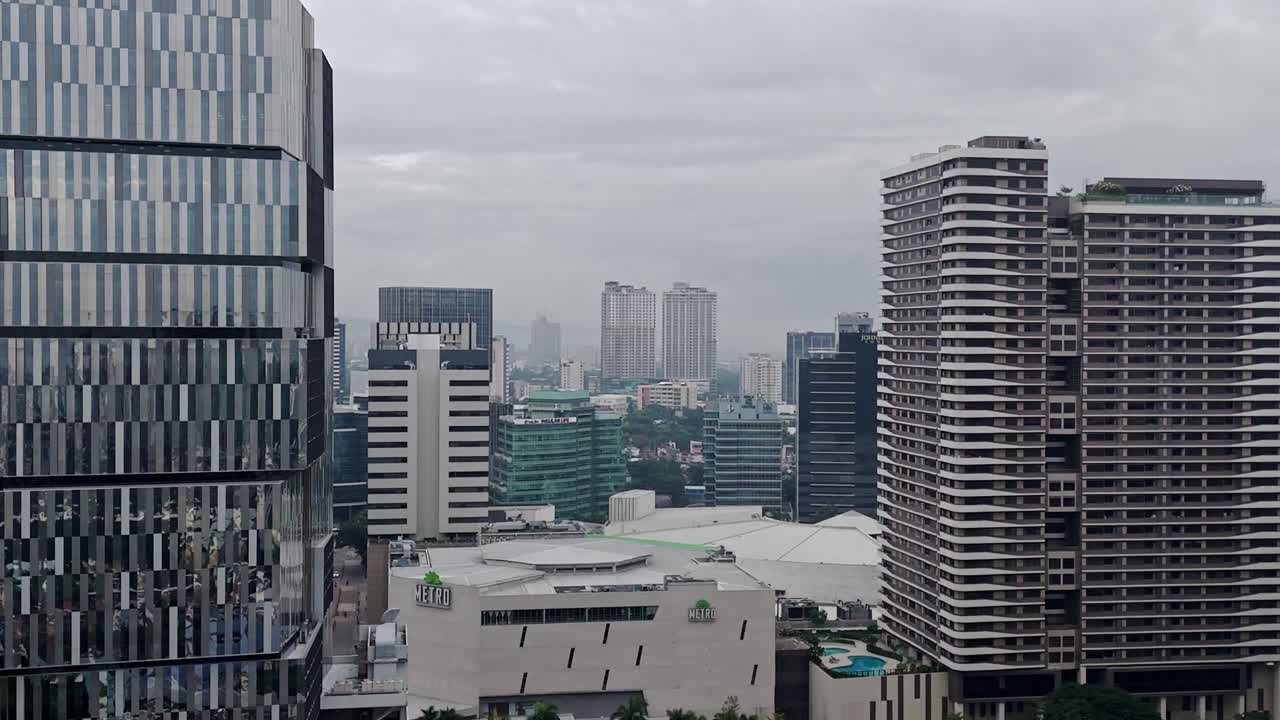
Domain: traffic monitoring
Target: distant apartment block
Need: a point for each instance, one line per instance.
(761, 378)
(671, 394)
(628, 316)
(545, 344)
(500, 380)
(688, 333)
(572, 375)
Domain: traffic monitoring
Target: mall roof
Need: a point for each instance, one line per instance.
(825, 562)
(535, 567)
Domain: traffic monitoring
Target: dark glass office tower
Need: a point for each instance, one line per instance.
(165, 327)
(439, 304)
(350, 461)
(799, 344)
(836, 427)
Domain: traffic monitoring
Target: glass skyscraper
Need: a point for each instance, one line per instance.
(165, 326)
(799, 344)
(439, 305)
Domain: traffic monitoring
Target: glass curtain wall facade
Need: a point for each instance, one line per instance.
(350, 462)
(439, 305)
(742, 451)
(836, 429)
(559, 450)
(799, 344)
(165, 341)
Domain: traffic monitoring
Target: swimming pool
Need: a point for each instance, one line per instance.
(834, 651)
(862, 665)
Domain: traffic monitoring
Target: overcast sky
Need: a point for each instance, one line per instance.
(543, 147)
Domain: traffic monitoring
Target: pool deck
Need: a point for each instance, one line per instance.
(855, 647)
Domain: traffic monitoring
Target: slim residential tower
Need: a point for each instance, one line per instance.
(627, 319)
(689, 333)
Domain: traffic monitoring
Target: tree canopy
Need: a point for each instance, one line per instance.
(354, 533)
(635, 708)
(1094, 702)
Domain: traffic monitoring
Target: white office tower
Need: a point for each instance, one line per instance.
(572, 375)
(689, 333)
(428, 432)
(761, 378)
(500, 388)
(1078, 431)
(628, 316)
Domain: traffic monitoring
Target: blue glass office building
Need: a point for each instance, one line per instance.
(165, 339)
(439, 304)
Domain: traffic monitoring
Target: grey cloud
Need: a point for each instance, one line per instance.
(543, 147)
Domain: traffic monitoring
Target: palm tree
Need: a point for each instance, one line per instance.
(678, 714)
(429, 713)
(449, 714)
(635, 708)
(729, 711)
(543, 711)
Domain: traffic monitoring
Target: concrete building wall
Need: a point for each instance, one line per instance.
(631, 505)
(914, 696)
(682, 664)
(761, 378)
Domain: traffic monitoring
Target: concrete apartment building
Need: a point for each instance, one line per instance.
(836, 425)
(742, 451)
(572, 375)
(761, 377)
(628, 316)
(428, 431)
(500, 385)
(799, 344)
(584, 624)
(1078, 436)
(688, 333)
(669, 394)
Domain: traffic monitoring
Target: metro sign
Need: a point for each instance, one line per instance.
(702, 614)
(436, 596)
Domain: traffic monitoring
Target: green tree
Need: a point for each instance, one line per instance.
(354, 533)
(1093, 702)
(678, 714)
(449, 714)
(429, 713)
(819, 618)
(635, 708)
(544, 711)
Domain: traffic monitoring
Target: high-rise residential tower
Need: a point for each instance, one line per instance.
(1079, 444)
(439, 305)
(742, 446)
(689, 333)
(761, 378)
(544, 341)
(572, 375)
(627, 318)
(799, 344)
(166, 329)
(338, 364)
(836, 425)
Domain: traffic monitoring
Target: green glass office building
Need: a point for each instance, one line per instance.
(558, 449)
